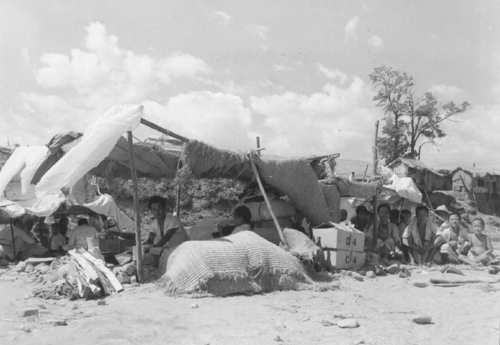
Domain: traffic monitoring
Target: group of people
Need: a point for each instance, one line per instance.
(422, 240)
(34, 238)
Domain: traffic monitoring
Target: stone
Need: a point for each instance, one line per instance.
(26, 329)
(327, 323)
(29, 268)
(57, 322)
(123, 278)
(129, 268)
(359, 341)
(370, 274)
(420, 285)
(20, 267)
(101, 302)
(278, 339)
(393, 269)
(357, 276)
(422, 319)
(44, 268)
(348, 323)
(363, 273)
(194, 305)
(27, 312)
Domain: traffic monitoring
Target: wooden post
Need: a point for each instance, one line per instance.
(276, 223)
(164, 131)
(13, 238)
(375, 229)
(364, 176)
(136, 207)
(375, 151)
(258, 144)
(178, 203)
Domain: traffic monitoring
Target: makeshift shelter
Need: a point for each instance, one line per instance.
(480, 185)
(424, 177)
(102, 151)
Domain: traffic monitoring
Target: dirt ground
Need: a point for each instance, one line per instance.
(383, 307)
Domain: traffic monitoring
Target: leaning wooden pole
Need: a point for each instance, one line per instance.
(13, 238)
(375, 229)
(261, 187)
(138, 243)
(164, 131)
(375, 150)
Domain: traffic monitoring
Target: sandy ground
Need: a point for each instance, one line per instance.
(383, 306)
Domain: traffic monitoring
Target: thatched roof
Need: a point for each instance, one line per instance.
(477, 172)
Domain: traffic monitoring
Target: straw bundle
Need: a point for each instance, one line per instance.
(296, 179)
(303, 247)
(241, 263)
(206, 161)
(332, 197)
(150, 161)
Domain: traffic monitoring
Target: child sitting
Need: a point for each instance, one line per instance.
(481, 249)
(56, 240)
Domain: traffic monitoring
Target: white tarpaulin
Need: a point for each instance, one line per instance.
(96, 144)
(406, 188)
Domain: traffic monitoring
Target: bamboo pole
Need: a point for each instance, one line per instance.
(258, 144)
(261, 187)
(164, 131)
(138, 243)
(375, 150)
(13, 238)
(375, 229)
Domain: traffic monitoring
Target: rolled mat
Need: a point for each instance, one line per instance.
(303, 247)
(240, 263)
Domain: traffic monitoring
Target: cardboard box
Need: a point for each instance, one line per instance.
(116, 245)
(338, 236)
(344, 259)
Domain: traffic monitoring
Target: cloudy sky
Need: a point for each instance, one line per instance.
(293, 72)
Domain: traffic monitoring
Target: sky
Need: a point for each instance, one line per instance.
(295, 73)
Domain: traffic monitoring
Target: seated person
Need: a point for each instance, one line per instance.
(64, 227)
(41, 236)
(405, 220)
(242, 219)
(24, 243)
(168, 231)
(420, 236)
(56, 240)
(481, 249)
(441, 215)
(79, 235)
(343, 215)
(452, 237)
(388, 233)
(360, 221)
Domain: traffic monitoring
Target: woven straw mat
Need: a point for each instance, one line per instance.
(296, 179)
(241, 263)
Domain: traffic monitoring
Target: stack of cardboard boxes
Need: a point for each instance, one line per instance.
(342, 246)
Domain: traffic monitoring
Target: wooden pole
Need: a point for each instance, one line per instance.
(178, 204)
(138, 243)
(375, 229)
(375, 151)
(13, 238)
(261, 187)
(164, 131)
(258, 144)
(364, 176)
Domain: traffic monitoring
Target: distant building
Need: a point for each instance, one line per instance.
(480, 185)
(424, 177)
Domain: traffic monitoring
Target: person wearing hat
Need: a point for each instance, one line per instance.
(442, 215)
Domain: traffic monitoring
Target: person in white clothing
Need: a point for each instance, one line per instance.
(168, 230)
(79, 235)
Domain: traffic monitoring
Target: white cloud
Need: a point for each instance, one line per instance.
(219, 119)
(181, 65)
(333, 74)
(338, 119)
(259, 30)
(351, 29)
(222, 16)
(376, 41)
(446, 93)
(470, 140)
